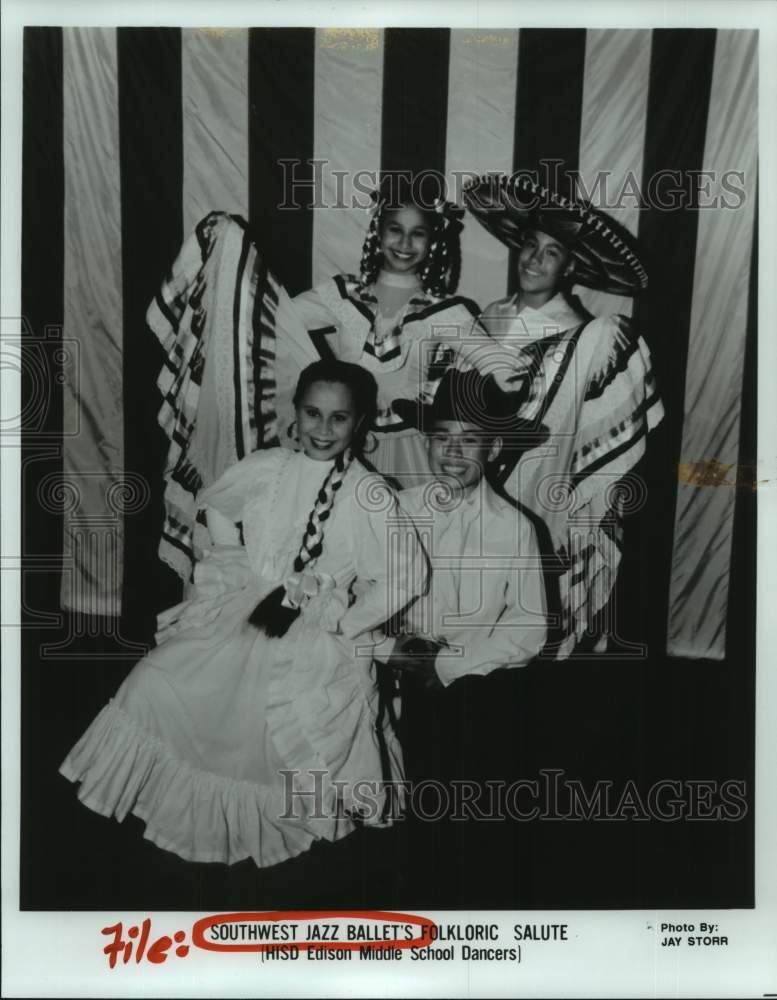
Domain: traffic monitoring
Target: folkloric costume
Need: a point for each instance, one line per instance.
(485, 607)
(218, 737)
(406, 353)
(226, 391)
(404, 328)
(587, 382)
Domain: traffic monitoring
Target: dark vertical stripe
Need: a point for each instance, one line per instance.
(415, 99)
(151, 163)
(741, 617)
(548, 108)
(281, 65)
(40, 332)
(681, 64)
(240, 444)
(42, 273)
(740, 631)
(549, 101)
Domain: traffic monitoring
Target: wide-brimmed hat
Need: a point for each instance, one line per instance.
(472, 398)
(603, 250)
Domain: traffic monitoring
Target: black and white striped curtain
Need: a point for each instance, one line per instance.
(132, 135)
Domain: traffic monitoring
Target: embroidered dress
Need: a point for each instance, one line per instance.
(407, 353)
(213, 734)
(589, 383)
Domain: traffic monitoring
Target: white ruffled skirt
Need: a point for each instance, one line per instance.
(230, 745)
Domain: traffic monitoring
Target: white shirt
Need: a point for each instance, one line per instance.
(486, 595)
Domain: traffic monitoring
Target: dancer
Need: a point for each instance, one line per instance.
(485, 608)
(399, 318)
(586, 380)
(251, 730)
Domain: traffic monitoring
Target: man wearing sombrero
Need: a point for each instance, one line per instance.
(586, 380)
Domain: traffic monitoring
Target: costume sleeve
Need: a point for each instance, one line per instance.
(617, 405)
(478, 347)
(228, 495)
(317, 313)
(223, 530)
(520, 627)
(313, 311)
(390, 561)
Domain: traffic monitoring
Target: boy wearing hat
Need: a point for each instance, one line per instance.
(587, 379)
(485, 607)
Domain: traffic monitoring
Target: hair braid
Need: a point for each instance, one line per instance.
(440, 272)
(312, 539)
(371, 255)
(274, 615)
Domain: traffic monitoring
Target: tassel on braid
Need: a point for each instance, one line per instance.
(274, 614)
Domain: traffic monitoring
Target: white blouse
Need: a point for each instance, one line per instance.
(272, 492)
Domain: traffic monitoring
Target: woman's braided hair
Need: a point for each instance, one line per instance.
(439, 274)
(273, 615)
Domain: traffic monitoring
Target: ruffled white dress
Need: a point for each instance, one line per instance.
(219, 735)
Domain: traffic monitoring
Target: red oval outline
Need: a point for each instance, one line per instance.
(290, 916)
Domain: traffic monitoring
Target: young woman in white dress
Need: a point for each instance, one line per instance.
(253, 728)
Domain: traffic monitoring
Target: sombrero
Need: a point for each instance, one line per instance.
(603, 250)
(472, 398)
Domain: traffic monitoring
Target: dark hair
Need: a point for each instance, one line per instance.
(272, 615)
(360, 383)
(440, 271)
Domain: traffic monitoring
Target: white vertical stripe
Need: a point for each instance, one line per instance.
(713, 387)
(93, 398)
(612, 134)
(214, 83)
(347, 137)
(480, 136)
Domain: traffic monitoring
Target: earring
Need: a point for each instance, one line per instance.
(291, 432)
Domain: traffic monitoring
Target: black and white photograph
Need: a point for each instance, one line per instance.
(385, 495)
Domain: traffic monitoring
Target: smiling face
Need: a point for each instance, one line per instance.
(404, 240)
(460, 450)
(543, 263)
(326, 420)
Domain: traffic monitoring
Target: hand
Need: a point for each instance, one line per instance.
(415, 657)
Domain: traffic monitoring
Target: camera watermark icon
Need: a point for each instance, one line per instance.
(41, 367)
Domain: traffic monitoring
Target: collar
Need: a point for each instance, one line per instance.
(481, 497)
(503, 319)
(398, 280)
(557, 311)
(353, 290)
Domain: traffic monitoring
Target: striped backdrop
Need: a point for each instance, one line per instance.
(132, 135)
